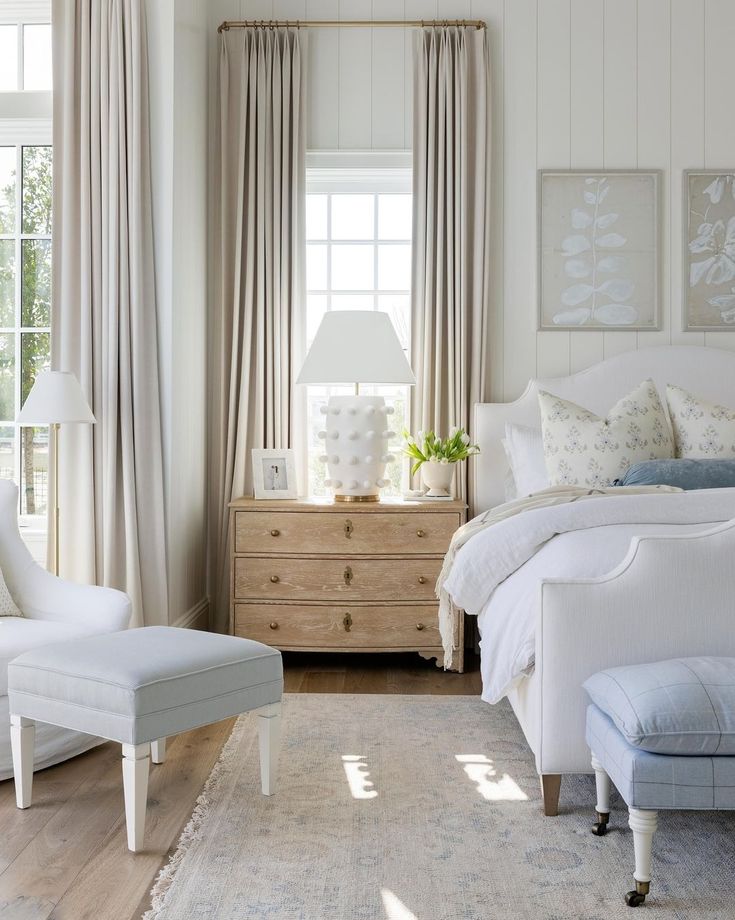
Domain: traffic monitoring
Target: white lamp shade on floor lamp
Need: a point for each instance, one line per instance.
(56, 398)
(354, 347)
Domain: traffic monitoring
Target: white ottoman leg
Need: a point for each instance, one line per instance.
(22, 739)
(602, 781)
(269, 732)
(158, 750)
(643, 824)
(136, 760)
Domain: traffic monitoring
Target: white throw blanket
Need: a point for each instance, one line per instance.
(508, 536)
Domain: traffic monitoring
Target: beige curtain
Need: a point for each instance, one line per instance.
(103, 323)
(451, 244)
(259, 222)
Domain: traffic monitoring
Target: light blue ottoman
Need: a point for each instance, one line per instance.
(664, 734)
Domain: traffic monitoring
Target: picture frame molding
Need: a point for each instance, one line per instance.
(658, 175)
(257, 455)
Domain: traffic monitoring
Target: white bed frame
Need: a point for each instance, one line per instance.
(671, 596)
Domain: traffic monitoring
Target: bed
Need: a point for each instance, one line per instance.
(662, 580)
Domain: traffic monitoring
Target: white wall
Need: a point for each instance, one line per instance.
(577, 84)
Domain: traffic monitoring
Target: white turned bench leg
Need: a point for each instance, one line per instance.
(158, 750)
(22, 741)
(643, 824)
(136, 761)
(269, 732)
(602, 782)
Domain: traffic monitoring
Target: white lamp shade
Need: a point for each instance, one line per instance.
(356, 346)
(55, 397)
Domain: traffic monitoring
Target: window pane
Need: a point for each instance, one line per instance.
(353, 302)
(34, 474)
(394, 217)
(316, 307)
(7, 282)
(316, 267)
(34, 357)
(7, 452)
(37, 190)
(7, 376)
(36, 293)
(352, 217)
(7, 189)
(8, 58)
(316, 217)
(37, 57)
(398, 307)
(352, 268)
(394, 267)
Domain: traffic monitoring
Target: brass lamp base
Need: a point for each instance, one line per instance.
(357, 498)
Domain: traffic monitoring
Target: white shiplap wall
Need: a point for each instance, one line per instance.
(577, 84)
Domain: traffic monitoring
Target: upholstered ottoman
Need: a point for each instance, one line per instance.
(664, 733)
(137, 687)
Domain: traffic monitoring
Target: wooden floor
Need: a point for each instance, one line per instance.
(67, 858)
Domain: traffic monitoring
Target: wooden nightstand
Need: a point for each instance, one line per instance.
(324, 576)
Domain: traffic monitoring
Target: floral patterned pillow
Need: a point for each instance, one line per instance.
(582, 449)
(702, 430)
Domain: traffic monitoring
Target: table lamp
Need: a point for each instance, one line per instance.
(354, 347)
(55, 399)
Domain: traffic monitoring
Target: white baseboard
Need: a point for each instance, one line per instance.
(197, 617)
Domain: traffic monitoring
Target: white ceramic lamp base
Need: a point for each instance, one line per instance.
(356, 439)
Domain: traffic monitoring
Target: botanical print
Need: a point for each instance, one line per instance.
(709, 255)
(598, 250)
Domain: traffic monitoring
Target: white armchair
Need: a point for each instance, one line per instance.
(53, 610)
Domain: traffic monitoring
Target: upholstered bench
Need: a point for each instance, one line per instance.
(137, 687)
(664, 733)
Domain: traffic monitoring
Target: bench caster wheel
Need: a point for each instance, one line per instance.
(634, 899)
(599, 829)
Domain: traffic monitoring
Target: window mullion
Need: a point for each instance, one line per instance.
(18, 314)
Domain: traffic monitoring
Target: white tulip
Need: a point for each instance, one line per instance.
(465, 439)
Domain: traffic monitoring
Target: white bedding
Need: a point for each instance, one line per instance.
(497, 574)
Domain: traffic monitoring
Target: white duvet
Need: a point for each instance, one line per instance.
(497, 574)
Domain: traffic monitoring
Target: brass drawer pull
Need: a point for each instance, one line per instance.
(275, 579)
(347, 622)
(420, 626)
(422, 580)
(347, 575)
(348, 529)
(420, 533)
(274, 625)
(275, 533)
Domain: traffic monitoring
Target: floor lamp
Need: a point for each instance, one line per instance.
(55, 399)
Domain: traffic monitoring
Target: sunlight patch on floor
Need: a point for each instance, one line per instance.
(357, 773)
(481, 770)
(395, 909)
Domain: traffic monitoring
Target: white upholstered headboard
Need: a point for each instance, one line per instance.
(707, 372)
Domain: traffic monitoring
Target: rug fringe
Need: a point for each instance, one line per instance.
(191, 832)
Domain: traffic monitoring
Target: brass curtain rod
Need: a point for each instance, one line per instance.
(349, 23)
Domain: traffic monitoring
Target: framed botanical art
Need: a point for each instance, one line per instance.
(708, 281)
(599, 249)
(274, 473)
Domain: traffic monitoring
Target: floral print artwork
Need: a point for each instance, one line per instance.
(582, 449)
(709, 283)
(702, 430)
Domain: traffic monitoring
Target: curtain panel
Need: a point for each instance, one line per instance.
(103, 321)
(259, 246)
(451, 230)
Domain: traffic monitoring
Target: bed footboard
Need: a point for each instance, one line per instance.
(672, 596)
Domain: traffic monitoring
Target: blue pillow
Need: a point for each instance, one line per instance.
(685, 474)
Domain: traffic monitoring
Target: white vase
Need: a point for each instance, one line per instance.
(437, 478)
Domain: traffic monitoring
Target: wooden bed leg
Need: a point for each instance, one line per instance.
(550, 788)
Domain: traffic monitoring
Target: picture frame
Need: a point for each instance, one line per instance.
(274, 473)
(708, 250)
(604, 281)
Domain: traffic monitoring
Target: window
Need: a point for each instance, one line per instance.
(358, 257)
(25, 250)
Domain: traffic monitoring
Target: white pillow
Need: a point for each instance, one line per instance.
(702, 430)
(583, 449)
(7, 604)
(524, 448)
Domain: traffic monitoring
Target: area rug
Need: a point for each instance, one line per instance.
(421, 808)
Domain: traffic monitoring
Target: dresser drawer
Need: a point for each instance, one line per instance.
(336, 579)
(360, 533)
(339, 627)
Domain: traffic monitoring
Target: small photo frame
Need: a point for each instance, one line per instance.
(274, 473)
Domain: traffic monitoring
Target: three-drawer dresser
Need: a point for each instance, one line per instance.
(325, 576)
